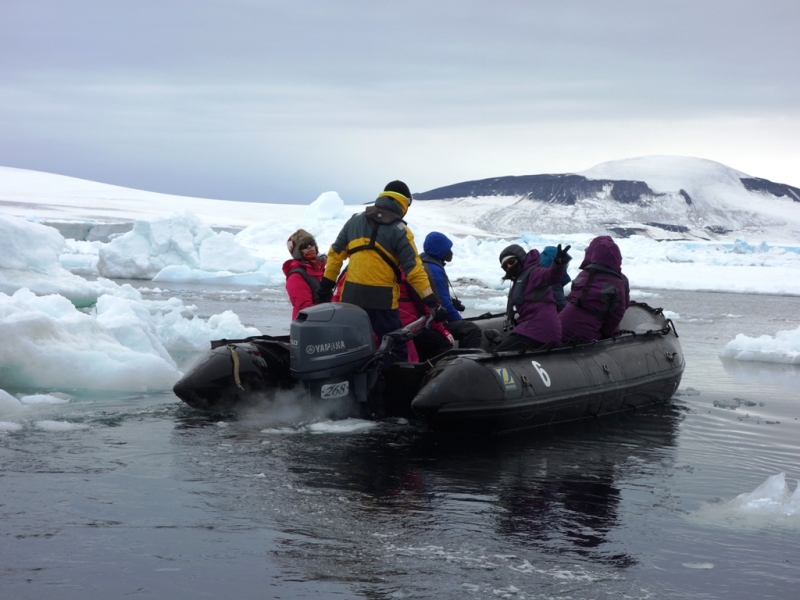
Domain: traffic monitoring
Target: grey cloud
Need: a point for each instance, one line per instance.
(255, 91)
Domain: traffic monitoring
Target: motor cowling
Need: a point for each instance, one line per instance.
(330, 340)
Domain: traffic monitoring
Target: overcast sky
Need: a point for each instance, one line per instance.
(280, 101)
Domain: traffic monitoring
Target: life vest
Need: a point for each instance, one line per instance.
(516, 296)
(378, 218)
(578, 303)
(312, 282)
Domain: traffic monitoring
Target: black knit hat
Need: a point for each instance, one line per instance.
(514, 250)
(398, 187)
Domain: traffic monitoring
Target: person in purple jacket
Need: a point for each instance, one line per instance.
(599, 297)
(531, 307)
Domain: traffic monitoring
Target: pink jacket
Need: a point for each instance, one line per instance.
(300, 294)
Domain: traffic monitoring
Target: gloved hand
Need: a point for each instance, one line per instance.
(439, 313)
(561, 255)
(324, 292)
(458, 305)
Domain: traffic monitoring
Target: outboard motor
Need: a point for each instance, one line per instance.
(332, 346)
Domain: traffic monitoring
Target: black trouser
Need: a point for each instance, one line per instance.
(515, 341)
(467, 333)
(383, 321)
(430, 343)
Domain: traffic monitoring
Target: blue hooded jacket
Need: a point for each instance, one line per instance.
(436, 247)
(546, 259)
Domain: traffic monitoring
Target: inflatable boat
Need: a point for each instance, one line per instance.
(329, 358)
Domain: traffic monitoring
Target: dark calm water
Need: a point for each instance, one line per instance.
(154, 500)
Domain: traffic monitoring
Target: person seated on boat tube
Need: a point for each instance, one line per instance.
(303, 271)
(546, 259)
(429, 342)
(599, 297)
(377, 243)
(531, 309)
(438, 250)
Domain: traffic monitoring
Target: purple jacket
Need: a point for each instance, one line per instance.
(600, 294)
(532, 297)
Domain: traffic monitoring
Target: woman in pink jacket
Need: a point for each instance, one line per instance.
(303, 271)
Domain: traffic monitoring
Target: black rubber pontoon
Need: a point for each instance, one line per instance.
(330, 353)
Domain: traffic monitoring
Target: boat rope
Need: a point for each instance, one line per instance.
(235, 358)
(672, 325)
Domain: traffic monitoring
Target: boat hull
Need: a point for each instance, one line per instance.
(471, 390)
(512, 390)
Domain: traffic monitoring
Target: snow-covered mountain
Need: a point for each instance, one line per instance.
(660, 197)
(655, 196)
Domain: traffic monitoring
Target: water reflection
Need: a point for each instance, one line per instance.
(773, 373)
(539, 494)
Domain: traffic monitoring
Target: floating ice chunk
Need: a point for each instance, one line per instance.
(179, 240)
(184, 273)
(132, 325)
(59, 425)
(45, 399)
(741, 246)
(784, 348)
(344, 426)
(326, 207)
(29, 254)
(221, 252)
(771, 497)
(56, 346)
(9, 426)
(769, 505)
(9, 403)
(281, 430)
(703, 565)
(27, 245)
(80, 257)
(182, 335)
(492, 303)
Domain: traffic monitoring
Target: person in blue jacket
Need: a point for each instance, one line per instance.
(545, 260)
(438, 250)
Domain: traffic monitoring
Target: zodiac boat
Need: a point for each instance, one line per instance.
(330, 359)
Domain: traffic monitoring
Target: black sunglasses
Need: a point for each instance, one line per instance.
(508, 263)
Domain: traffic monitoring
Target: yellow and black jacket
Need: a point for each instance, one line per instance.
(378, 244)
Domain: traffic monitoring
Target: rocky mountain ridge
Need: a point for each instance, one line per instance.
(659, 196)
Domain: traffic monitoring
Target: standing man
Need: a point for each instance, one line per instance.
(378, 243)
(438, 250)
